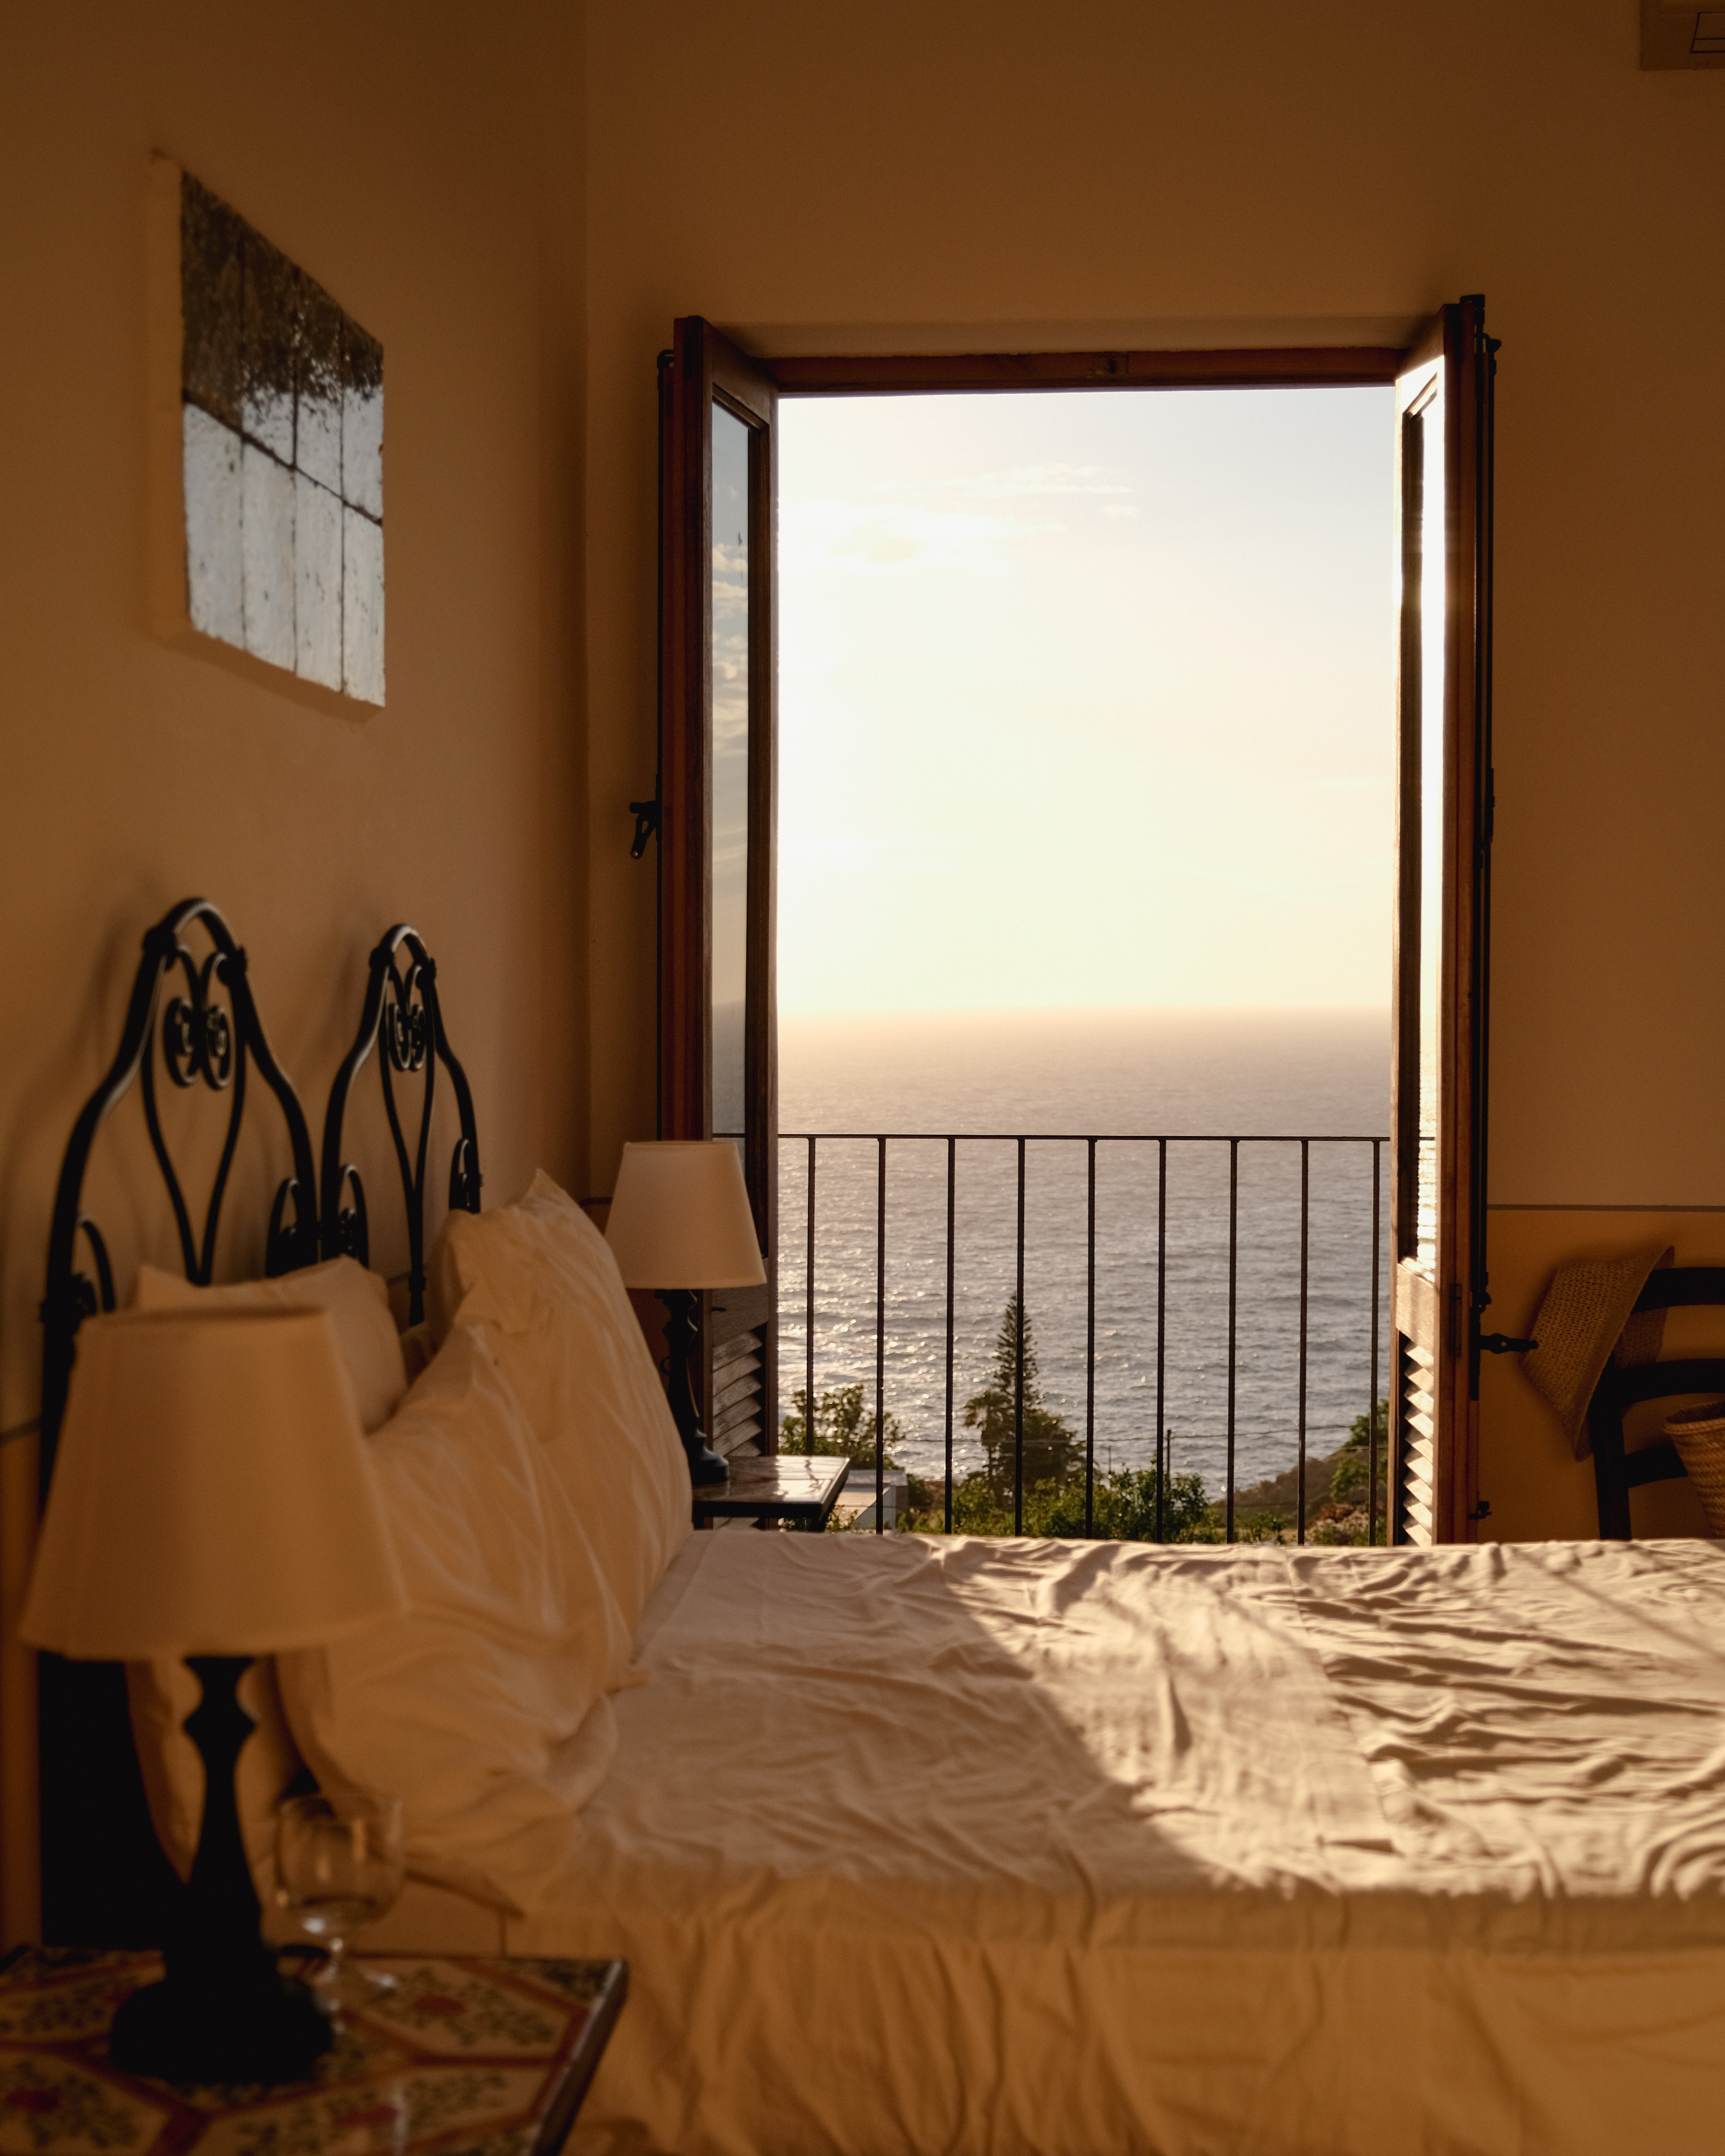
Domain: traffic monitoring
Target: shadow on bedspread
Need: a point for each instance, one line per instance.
(972, 1845)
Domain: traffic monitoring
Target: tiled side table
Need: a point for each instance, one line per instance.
(800, 1491)
(491, 2056)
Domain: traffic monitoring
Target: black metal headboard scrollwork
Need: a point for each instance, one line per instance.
(105, 1880)
(206, 1041)
(402, 1008)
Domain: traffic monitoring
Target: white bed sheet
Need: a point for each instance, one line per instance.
(969, 1846)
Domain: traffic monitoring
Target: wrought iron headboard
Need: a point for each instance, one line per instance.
(401, 1005)
(201, 1042)
(104, 1878)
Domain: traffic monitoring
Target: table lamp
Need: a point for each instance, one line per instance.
(212, 1500)
(679, 1222)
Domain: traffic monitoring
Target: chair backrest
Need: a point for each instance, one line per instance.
(1617, 1471)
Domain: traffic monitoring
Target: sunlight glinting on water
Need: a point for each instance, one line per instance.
(1228, 1068)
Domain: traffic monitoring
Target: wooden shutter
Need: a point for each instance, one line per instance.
(718, 1061)
(1442, 925)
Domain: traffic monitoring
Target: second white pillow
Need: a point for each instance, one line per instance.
(464, 1708)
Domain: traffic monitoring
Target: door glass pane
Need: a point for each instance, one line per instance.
(1433, 618)
(729, 724)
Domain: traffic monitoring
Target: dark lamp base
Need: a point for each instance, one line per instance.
(706, 1467)
(272, 2031)
(681, 1333)
(222, 2013)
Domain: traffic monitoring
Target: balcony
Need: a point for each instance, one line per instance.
(1162, 1338)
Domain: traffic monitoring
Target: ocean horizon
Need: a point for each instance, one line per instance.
(1130, 1079)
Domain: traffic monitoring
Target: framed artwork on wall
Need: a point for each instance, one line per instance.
(267, 423)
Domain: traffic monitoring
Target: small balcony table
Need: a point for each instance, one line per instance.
(487, 2053)
(798, 1488)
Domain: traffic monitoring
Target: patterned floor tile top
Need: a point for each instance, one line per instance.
(469, 2054)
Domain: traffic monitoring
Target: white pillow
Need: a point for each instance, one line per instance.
(541, 1279)
(468, 1708)
(356, 1301)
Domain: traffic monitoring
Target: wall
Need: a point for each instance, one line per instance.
(425, 164)
(1007, 175)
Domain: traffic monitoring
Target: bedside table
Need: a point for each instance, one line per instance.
(488, 2053)
(797, 1488)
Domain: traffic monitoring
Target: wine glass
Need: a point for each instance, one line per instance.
(339, 1866)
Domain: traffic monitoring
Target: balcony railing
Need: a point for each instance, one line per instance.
(1246, 1272)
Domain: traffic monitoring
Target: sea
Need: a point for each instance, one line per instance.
(1164, 1093)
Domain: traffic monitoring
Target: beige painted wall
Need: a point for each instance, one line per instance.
(997, 173)
(418, 162)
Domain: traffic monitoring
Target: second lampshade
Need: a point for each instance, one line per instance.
(681, 1216)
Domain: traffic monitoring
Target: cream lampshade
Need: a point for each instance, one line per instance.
(681, 1216)
(680, 1222)
(212, 1500)
(211, 1493)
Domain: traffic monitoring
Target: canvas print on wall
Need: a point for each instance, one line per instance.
(280, 453)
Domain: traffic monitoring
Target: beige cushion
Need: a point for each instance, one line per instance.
(356, 1301)
(1699, 1435)
(483, 1708)
(538, 1276)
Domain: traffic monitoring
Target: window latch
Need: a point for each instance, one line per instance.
(1500, 1343)
(646, 816)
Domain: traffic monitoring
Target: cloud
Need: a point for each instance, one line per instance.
(1018, 483)
(823, 852)
(904, 536)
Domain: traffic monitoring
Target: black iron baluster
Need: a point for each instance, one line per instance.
(1090, 1348)
(1017, 1378)
(880, 1338)
(1232, 1305)
(1372, 1388)
(1161, 1326)
(809, 1317)
(1161, 1434)
(951, 1196)
(1305, 1225)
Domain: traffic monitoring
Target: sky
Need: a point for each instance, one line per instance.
(1086, 699)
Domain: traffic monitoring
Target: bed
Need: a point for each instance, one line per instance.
(931, 1845)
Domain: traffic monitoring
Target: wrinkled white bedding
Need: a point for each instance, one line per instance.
(987, 1847)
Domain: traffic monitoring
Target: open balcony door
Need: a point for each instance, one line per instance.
(718, 1058)
(1442, 925)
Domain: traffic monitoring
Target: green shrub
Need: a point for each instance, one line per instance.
(841, 1428)
(1123, 1507)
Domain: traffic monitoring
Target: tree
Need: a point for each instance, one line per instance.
(1352, 1479)
(840, 1427)
(1050, 1450)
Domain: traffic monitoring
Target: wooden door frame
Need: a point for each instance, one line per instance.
(1440, 1313)
(1459, 333)
(1306, 367)
(703, 367)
